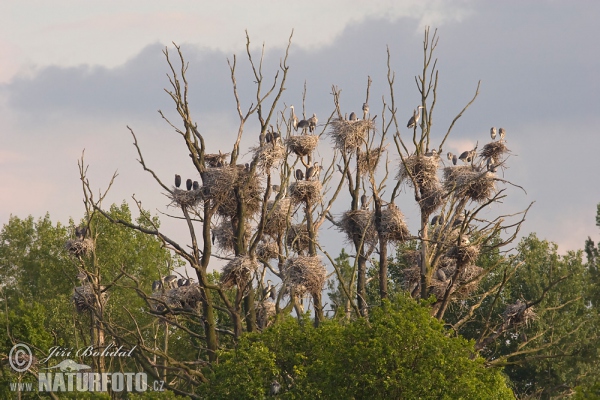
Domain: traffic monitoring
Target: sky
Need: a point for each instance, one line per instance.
(74, 75)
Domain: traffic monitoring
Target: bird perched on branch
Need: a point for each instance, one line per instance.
(177, 180)
(268, 137)
(269, 291)
(438, 219)
(312, 122)
(493, 133)
(188, 184)
(365, 109)
(414, 120)
(80, 232)
(299, 174)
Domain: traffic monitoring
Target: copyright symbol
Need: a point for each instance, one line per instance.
(20, 357)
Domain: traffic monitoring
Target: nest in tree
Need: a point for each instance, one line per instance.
(302, 145)
(358, 223)
(277, 216)
(305, 274)
(269, 155)
(238, 272)
(423, 170)
(468, 280)
(518, 314)
(186, 297)
(367, 161)
(212, 160)
(439, 288)
(85, 298)
(348, 135)
(494, 150)
(267, 250)
(297, 238)
(265, 311)
(185, 198)
(393, 227)
(217, 182)
(432, 198)
(305, 191)
(467, 181)
(79, 247)
(464, 254)
(225, 185)
(225, 236)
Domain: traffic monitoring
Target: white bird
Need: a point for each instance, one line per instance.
(312, 122)
(414, 120)
(502, 133)
(493, 133)
(294, 119)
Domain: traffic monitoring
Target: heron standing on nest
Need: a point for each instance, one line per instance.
(312, 122)
(464, 157)
(414, 120)
(177, 180)
(502, 133)
(313, 171)
(195, 185)
(299, 174)
(294, 119)
(353, 116)
(363, 202)
(269, 291)
(365, 110)
(493, 133)
(188, 184)
(454, 159)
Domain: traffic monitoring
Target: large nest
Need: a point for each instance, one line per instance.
(265, 311)
(305, 274)
(85, 298)
(217, 182)
(186, 297)
(79, 247)
(297, 238)
(467, 181)
(367, 161)
(431, 199)
(267, 250)
(185, 198)
(494, 151)
(393, 227)
(348, 135)
(222, 185)
(467, 280)
(269, 155)
(464, 254)
(358, 224)
(518, 314)
(302, 191)
(224, 235)
(238, 272)
(302, 145)
(277, 216)
(423, 170)
(213, 160)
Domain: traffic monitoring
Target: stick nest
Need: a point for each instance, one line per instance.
(269, 155)
(186, 297)
(302, 145)
(393, 228)
(468, 182)
(212, 160)
(185, 198)
(357, 223)
(225, 185)
(78, 247)
(423, 170)
(518, 314)
(464, 254)
(85, 298)
(431, 199)
(305, 191)
(265, 311)
(305, 274)
(367, 161)
(297, 238)
(267, 250)
(277, 216)
(238, 272)
(348, 135)
(494, 150)
(225, 235)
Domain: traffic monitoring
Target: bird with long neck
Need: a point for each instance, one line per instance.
(414, 120)
(294, 119)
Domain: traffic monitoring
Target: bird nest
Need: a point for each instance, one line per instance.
(348, 135)
(238, 272)
(393, 228)
(223, 186)
(297, 238)
(267, 250)
(431, 199)
(185, 198)
(277, 216)
(269, 155)
(305, 191)
(217, 182)
(225, 235)
(439, 288)
(85, 298)
(358, 225)
(265, 311)
(494, 150)
(186, 297)
(464, 254)
(468, 182)
(423, 170)
(518, 314)
(79, 247)
(367, 161)
(212, 160)
(466, 283)
(302, 145)
(305, 274)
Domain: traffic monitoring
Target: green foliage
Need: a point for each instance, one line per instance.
(400, 353)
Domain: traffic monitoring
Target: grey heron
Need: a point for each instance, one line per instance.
(219, 164)
(431, 153)
(502, 133)
(276, 188)
(303, 124)
(440, 275)
(493, 133)
(156, 285)
(247, 167)
(177, 180)
(312, 122)
(188, 184)
(294, 119)
(80, 232)
(275, 388)
(449, 155)
(195, 185)
(313, 171)
(490, 166)
(268, 137)
(438, 219)
(363, 201)
(299, 174)
(454, 159)
(82, 276)
(464, 156)
(365, 109)
(353, 116)
(414, 120)
(269, 291)
(170, 281)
